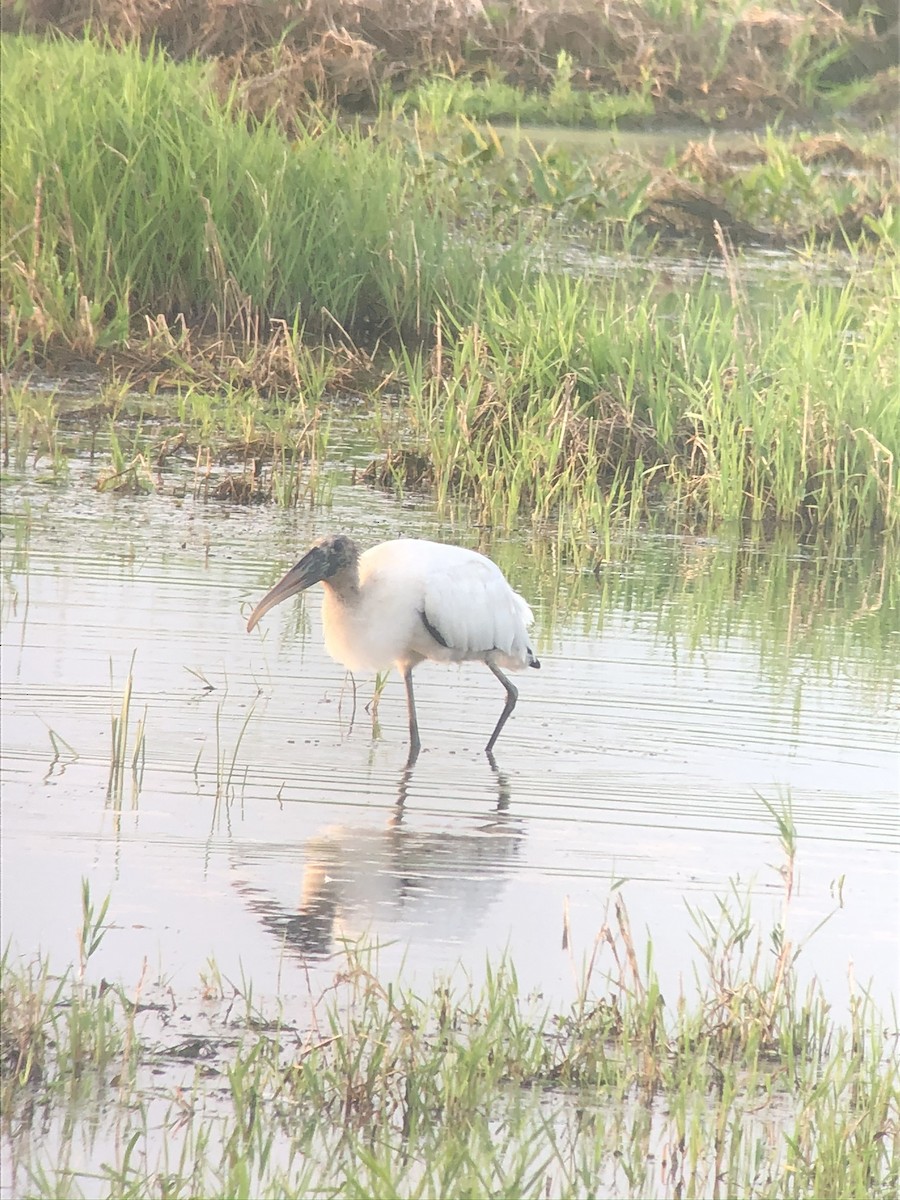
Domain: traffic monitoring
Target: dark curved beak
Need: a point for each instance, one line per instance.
(310, 569)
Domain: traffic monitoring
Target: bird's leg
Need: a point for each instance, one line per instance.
(414, 744)
(512, 695)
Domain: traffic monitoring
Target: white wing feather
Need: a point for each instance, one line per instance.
(468, 601)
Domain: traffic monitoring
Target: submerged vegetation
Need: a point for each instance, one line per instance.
(743, 1086)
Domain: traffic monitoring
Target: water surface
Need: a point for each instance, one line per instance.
(685, 681)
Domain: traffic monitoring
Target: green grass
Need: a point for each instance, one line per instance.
(31, 434)
(715, 61)
(575, 402)
(741, 1085)
(574, 405)
(129, 189)
(441, 98)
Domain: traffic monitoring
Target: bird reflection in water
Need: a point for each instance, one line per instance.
(438, 880)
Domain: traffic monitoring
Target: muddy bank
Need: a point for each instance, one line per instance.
(719, 63)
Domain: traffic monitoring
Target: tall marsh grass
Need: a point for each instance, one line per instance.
(129, 188)
(575, 400)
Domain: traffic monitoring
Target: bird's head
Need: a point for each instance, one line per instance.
(329, 558)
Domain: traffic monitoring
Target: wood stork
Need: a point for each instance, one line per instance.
(404, 601)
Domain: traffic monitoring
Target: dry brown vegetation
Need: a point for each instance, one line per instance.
(707, 61)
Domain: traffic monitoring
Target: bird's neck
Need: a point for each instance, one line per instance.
(344, 586)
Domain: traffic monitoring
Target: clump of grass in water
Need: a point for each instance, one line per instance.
(31, 431)
(744, 1088)
(60, 1036)
(119, 749)
(129, 471)
(262, 406)
(277, 442)
(278, 446)
(589, 401)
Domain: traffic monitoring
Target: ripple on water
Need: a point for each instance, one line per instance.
(272, 819)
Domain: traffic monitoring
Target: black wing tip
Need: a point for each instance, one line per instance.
(532, 661)
(433, 631)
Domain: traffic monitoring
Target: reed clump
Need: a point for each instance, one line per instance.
(577, 400)
(130, 190)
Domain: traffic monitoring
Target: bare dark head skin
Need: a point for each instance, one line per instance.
(331, 560)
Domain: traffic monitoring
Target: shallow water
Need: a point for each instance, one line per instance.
(684, 683)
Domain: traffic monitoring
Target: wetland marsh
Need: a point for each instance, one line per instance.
(263, 842)
(652, 949)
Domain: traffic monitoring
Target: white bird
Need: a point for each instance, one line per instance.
(404, 601)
